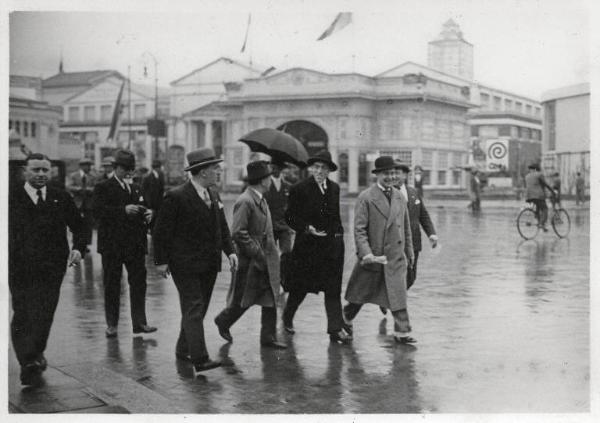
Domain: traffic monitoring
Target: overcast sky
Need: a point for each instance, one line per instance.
(524, 46)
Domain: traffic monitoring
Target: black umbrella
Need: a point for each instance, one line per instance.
(280, 146)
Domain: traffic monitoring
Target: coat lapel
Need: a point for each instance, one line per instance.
(380, 201)
(260, 205)
(194, 199)
(395, 205)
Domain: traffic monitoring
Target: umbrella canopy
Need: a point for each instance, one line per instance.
(280, 146)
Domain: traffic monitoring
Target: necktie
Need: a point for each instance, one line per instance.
(388, 194)
(83, 182)
(40, 197)
(206, 198)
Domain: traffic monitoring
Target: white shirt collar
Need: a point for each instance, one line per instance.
(199, 189)
(260, 196)
(82, 173)
(32, 192)
(322, 186)
(381, 187)
(155, 173)
(276, 181)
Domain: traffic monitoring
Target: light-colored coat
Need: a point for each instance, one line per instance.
(257, 278)
(81, 195)
(381, 228)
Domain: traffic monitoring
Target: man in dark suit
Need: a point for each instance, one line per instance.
(108, 167)
(189, 237)
(318, 254)
(38, 256)
(419, 218)
(153, 186)
(80, 184)
(122, 226)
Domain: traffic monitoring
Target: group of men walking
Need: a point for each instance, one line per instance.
(190, 233)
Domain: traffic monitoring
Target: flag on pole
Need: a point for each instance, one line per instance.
(116, 117)
(342, 20)
(247, 31)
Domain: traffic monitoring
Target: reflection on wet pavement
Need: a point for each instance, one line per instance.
(502, 325)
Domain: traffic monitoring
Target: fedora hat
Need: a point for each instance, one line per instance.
(534, 166)
(384, 163)
(200, 158)
(85, 162)
(256, 171)
(125, 159)
(323, 156)
(402, 166)
(108, 161)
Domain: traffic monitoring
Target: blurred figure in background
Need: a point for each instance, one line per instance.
(555, 199)
(579, 189)
(419, 180)
(108, 167)
(475, 190)
(80, 184)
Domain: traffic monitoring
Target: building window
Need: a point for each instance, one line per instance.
(105, 114)
(89, 113)
(519, 107)
(485, 100)
(474, 131)
(526, 133)
(535, 134)
(18, 127)
(33, 129)
(488, 131)
(139, 112)
(550, 114)
(426, 177)
(441, 180)
(514, 131)
(25, 129)
(442, 160)
(504, 131)
(73, 114)
(456, 177)
(538, 112)
(508, 104)
(343, 172)
(528, 109)
(9, 124)
(497, 103)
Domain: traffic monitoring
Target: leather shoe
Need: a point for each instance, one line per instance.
(144, 329)
(206, 365)
(288, 327)
(405, 339)
(274, 344)
(31, 374)
(183, 356)
(224, 332)
(340, 337)
(111, 332)
(42, 363)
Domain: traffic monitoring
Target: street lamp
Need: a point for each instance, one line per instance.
(147, 53)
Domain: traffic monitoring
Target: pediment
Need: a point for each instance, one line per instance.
(106, 91)
(298, 76)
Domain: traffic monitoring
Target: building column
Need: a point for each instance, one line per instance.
(335, 176)
(208, 134)
(352, 170)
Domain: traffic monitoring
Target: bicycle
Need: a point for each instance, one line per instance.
(528, 223)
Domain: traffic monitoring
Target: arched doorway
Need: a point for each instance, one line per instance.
(312, 136)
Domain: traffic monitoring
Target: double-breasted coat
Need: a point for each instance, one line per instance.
(381, 228)
(256, 281)
(317, 262)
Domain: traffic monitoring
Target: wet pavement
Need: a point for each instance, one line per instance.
(502, 326)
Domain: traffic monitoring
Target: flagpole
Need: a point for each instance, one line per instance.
(129, 106)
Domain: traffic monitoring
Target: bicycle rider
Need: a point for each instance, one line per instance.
(536, 184)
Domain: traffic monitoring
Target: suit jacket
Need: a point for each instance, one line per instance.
(381, 228)
(278, 202)
(153, 189)
(419, 217)
(317, 261)
(81, 194)
(118, 232)
(188, 235)
(38, 239)
(257, 278)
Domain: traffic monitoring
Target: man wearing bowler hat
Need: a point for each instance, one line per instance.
(189, 237)
(123, 220)
(80, 184)
(257, 280)
(384, 250)
(108, 167)
(318, 253)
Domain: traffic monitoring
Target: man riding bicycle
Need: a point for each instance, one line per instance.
(535, 184)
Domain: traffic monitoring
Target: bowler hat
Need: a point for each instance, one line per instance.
(402, 166)
(534, 166)
(257, 171)
(384, 163)
(156, 163)
(418, 167)
(85, 161)
(108, 161)
(200, 158)
(125, 159)
(323, 156)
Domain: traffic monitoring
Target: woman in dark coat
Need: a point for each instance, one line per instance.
(318, 254)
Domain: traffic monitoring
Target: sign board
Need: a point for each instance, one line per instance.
(496, 154)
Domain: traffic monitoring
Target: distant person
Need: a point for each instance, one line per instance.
(536, 184)
(107, 167)
(418, 180)
(579, 189)
(556, 188)
(153, 186)
(475, 190)
(38, 253)
(80, 184)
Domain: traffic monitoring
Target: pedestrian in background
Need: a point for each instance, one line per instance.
(256, 281)
(153, 187)
(123, 220)
(108, 167)
(318, 252)
(37, 261)
(419, 181)
(383, 239)
(80, 184)
(555, 199)
(475, 190)
(190, 235)
(579, 189)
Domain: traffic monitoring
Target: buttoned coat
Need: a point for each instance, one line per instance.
(256, 280)
(381, 228)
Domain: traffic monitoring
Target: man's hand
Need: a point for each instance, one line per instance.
(233, 262)
(74, 258)
(163, 270)
(311, 230)
(132, 209)
(148, 215)
(433, 239)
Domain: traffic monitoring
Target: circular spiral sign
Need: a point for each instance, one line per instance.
(497, 150)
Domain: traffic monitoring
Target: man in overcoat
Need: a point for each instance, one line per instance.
(123, 220)
(37, 260)
(80, 184)
(153, 186)
(190, 236)
(318, 253)
(384, 250)
(256, 281)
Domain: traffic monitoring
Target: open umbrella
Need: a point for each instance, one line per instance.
(280, 146)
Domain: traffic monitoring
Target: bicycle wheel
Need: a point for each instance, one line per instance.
(527, 224)
(561, 223)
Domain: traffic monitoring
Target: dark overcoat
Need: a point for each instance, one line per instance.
(317, 262)
(153, 189)
(256, 281)
(419, 217)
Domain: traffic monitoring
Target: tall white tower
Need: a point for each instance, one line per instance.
(450, 53)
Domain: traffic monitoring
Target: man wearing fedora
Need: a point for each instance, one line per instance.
(257, 280)
(80, 184)
(318, 253)
(123, 220)
(189, 237)
(108, 167)
(535, 185)
(384, 250)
